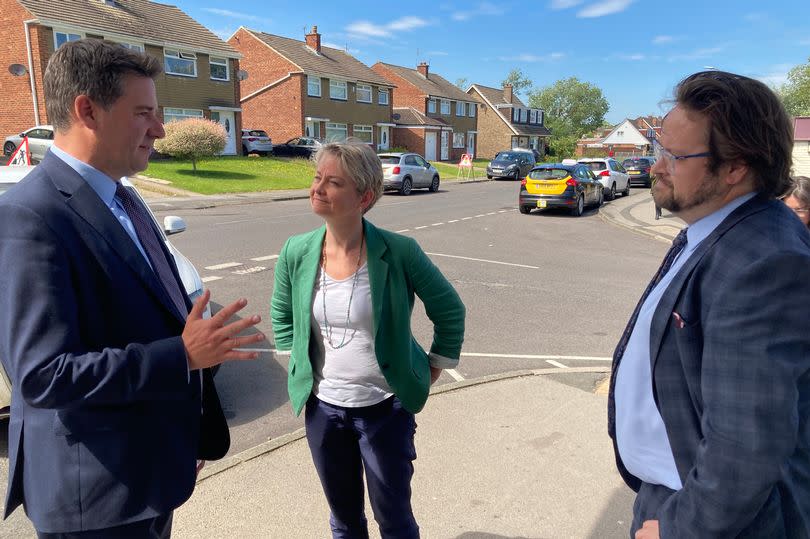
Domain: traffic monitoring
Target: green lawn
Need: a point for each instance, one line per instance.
(449, 171)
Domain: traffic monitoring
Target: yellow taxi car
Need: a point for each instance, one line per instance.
(560, 185)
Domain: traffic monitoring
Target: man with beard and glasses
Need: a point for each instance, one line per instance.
(709, 405)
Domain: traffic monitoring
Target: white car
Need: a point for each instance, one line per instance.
(611, 175)
(171, 225)
(256, 141)
(404, 172)
(40, 139)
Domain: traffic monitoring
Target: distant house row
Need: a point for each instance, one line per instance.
(255, 80)
(629, 137)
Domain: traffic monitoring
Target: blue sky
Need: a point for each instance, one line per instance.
(634, 50)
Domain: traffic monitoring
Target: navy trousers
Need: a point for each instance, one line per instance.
(159, 527)
(377, 439)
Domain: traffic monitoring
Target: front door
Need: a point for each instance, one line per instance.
(226, 120)
(430, 145)
(385, 133)
(313, 129)
(471, 144)
(445, 145)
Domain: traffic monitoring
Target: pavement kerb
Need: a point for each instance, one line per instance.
(269, 446)
(608, 217)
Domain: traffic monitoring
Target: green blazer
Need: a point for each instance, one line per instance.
(397, 269)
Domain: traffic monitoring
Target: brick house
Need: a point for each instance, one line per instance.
(200, 70)
(504, 122)
(299, 88)
(628, 138)
(432, 116)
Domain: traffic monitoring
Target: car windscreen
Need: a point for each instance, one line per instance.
(596, 165)
(507, 156)
(636, 163)
(549, 173)
(389, 159)
(257, 133)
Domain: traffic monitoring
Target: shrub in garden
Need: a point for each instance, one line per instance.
(192, 139)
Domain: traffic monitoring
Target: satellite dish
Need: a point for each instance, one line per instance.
(241, 74)
(395, 116)
(17, 70)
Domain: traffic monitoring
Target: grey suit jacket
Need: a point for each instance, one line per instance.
(732, 380)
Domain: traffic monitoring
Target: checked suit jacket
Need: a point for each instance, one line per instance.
(106, 420)
(731, 379)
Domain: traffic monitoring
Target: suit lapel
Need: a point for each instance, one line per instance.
(377, 269)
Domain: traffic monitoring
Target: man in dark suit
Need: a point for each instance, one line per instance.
(113, 402)
(709, 407)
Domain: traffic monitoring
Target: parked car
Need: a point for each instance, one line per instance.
(298, 147)
(560, 185)
(610, 174)
(171, 225)
(256, 141)
(639, 170)
(40, 138)
(533, 151)
(513, 164)
(404, 172)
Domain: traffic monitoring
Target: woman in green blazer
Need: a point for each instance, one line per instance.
(342, 303)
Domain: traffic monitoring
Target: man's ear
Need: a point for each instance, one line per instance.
(84, 109)
(736, 172)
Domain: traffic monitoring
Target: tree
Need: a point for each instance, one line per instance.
(795, 92)
(462, 83)
(518, 80)
(192, 139)
(572, 107)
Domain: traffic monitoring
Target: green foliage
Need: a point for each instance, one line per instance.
(572, 108)
(561, 147)
(192, 139)
(519, 81)
(795, 92)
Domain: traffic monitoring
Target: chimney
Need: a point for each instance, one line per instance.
(507, 93)
(314, 40)
(422, 68)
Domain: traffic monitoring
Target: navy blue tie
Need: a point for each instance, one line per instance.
(150, 241)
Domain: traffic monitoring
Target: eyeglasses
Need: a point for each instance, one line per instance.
(662, 154)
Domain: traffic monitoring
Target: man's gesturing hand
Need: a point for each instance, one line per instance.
(212, 341)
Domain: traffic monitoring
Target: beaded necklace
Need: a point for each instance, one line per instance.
(343, 341)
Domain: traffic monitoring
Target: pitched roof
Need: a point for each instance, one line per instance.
(328, 62)
(411, 116)
(495, 95)
(148, 21)
(495, 98)
(434, 85)
(531, 130)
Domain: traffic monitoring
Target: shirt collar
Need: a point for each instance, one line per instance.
(700, 229)
(102, 184)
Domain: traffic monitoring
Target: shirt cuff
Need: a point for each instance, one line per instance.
(441, 362)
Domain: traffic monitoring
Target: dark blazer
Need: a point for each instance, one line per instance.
(732, 380)
(105, 421)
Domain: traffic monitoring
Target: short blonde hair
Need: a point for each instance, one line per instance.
(360, 164)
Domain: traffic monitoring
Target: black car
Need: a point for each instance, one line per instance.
(639, 170)
(298, 147)
(510, 164)
(560, 185)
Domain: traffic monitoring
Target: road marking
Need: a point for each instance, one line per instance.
(226, 265)
(454, 373)
(211, 278)
(453, 221)
(530, 356)
(480, 215)
(420, 227)
(263, 258)
(465, 218)
(248, 271)
(484, 260)
(236, 222)
(491, 213)
(437, 224)
(502, 211)
(556, 364)
(403, 230)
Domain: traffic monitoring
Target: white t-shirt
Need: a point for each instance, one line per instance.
(350, 375)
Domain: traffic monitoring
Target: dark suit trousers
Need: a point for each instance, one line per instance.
(159, 527)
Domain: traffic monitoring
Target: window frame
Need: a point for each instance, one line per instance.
(383, 92)
(345, 130)
(456, 135)
(183, 114)
(221, 61)
(431, 105)
(337, 84)
(310, 83)
(364, 87)
(363, 129)
(471, 110)
(461, 105)
(444, 105)
(132, 46)
(67, 33)
(177, 54)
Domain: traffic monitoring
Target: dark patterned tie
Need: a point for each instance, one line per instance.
(677, 246)
(150, 242)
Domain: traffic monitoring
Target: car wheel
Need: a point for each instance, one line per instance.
(612, 192)
(434, 185)
(9, 147)
(489, 177)
(601, 199)
(626, 192)
(406, 187)
(577, 210)
(517, 175)
(525, 209)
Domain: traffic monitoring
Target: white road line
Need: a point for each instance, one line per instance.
(234, 222)
(454, 373)
(484, 260)
(403, 230)
(420, 227)
(226, 265)
(491, 213)
(530, 356)
(453, 221)
(556, 364)
(211, 278)
(501, 211)
(248, 271)
(465, 218)
(263, 258)
(480, 215)
(437, 224)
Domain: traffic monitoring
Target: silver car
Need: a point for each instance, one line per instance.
(256, 141)
(40, 138)
(611, 175)
(404, 172)
(171, 225)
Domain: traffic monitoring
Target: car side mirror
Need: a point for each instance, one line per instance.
(173, 224)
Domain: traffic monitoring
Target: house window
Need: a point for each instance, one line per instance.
(459, 108)
(172, 115)
(180, 63)
(432, 106)
(336, 132)
(524, 115)
(219, 68)
(382, 97)
(515, 115)
(363, 93)
(458, 140)
(471, 110)
(337, 90)
(60, 38)
(131, 46)
(445, 107)
(364, 133)
(532, 116)
(313, 86)
(540, 114)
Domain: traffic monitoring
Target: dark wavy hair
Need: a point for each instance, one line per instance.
(747, 123)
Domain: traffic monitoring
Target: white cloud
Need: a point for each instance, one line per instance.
(235, 14)
(437, 53)
(223, 33)
(366, 29)
(485, 9)
(637, 57)
(564, 4)
(530, 58)
(556, 55)
(776, 75)
(345, 48)
(407, 23)
(660, 40)
(605, 7)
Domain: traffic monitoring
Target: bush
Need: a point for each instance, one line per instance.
(192, 139)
